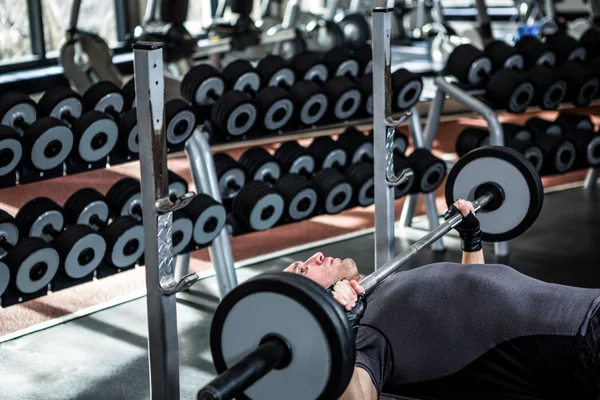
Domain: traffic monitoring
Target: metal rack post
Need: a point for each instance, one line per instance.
(591, 178)
(202, 166)
(157, 208)
(383, 135)
(465, 98)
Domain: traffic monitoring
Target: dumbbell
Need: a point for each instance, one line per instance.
(273, 104)
(364, 55)
(536, 52)
(260, 165)
(128, 91)
(345, 96)
(406, 90)
(230, 175)
(232, 112)
(328, 153)
(106, 97)
(206, 215)
(571, 121)
(358, 146)
(299, 195)
(295, 159)
(80, 248)
(566, 47)
(550, 87)
(515, 137)
(27, 266)
(361, 177)
(11, 152)
(540, 126)
(505, 88)
(429, 171)
(310, 100)
(558, 151)
(587, 146)
(124, 236)
(46, 141)
(95, 133)
(582, 84)
(503, 55)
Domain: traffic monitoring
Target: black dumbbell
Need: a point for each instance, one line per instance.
(230, 174)
(260, 165)
(299, 195)
(295, 159)
(310, 100)
(258, 205)
(429, 171)
(503, 55)
(128, 91)
(11, 150)
(328, 153)
(540, 126)
(345, 96)
(358, 146)
(571, 121)
(80, 248)
(341, 62)
(400, 141)
(582, 84)
(566, 47)
(362, 180)
(95, 133)
(334, 190)
(559, 153)
(505, 88)
(550, 88)
(28, 265)
(232, 112)
(515, 137)
(106, 97)
(124, 236)
(273, 104)
(406, 89)
(46, 141)
(536, 52)
(364, 55)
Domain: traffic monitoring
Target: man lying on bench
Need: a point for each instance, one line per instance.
(466, 331)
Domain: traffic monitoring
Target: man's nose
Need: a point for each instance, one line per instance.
(316, 258)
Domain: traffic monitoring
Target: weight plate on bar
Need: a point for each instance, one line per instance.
(508, 169)
(302, 313)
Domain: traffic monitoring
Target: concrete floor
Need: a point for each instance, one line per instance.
(103, 355)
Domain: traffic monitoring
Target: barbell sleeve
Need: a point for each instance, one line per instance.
(375, 278)
(270, 354)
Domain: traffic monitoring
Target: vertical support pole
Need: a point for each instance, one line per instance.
(163, 347)
(549, 8)
(408, 210)
(202, 166)
(384, 194)
(591, 178)
(433, 117)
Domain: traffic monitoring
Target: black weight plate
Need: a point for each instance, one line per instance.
(539, 127)
(510, 89)
(95, 136)
(345, 97)
(407, 88)
(200, 83)
(125, 198)
(310, 101)
(309, 66)
(33, 263)
(208, 217)
(294, 308)
(37, 214)
(234, 114)
(9, 231)
(180, 119)
(428, 169)
(366, 86)
(17, 107)
(535, 52)
(503, 55)
(328, 153)
(361, 177)
(59, 102)
(341, 62)
(128, 132)
(178, 186)
(559, 154)
(364, 55)
(357, 145)
(124, 242)
(357, 30)
(85, 206)
(47, 143)
(295, 159)
(4, 277)
(275, 108)
(258, 205)
(571, 121)
(469, 65)
(230, 173)
(591, 41)
(299, 195)
(550, 89)
(183, 231)
(241, 75)
(566, 47)
(11, 150)
(471, 138)
(103, 96)
(275, 71)
(128, 91)
(81, 250)
(582, 84)
(260, 165)
(334, 190)
(521, 184)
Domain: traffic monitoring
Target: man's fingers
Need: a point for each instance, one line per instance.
(340, 298)
(357, 287)
(345, 288)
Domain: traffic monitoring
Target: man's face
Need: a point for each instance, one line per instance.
(325, 270)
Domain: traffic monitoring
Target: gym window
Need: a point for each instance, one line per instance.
(31, 31)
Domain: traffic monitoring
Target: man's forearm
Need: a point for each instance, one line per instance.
(473, 257)
(360, 387)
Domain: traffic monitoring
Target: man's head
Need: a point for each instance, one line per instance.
(325, 270)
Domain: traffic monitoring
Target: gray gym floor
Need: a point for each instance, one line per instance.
(103, 355)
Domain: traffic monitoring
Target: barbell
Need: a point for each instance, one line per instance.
(281, 335)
